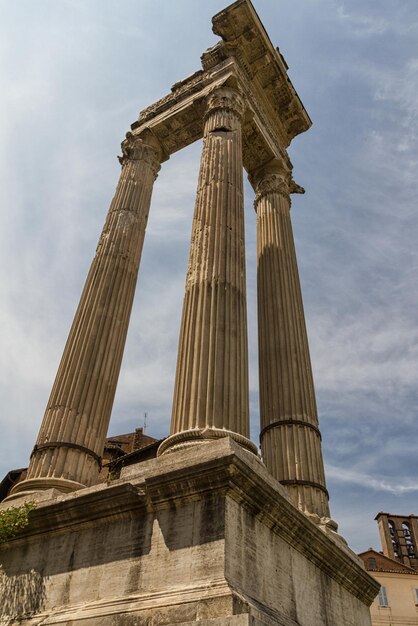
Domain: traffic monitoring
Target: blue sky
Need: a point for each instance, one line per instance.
(74, 75)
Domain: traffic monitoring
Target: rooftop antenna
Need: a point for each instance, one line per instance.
(145, 422)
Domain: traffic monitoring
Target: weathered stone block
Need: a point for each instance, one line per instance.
(200, 535)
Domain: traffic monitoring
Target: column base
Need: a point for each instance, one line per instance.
(194, 436)
(34, 485)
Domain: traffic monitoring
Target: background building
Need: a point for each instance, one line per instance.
(396, 569)
(119, 451)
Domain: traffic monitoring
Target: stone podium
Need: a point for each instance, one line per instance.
(204, 535)
(207, 532)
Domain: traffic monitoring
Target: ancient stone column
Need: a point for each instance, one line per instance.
(211, 386)
(68, 450)
(290, 438)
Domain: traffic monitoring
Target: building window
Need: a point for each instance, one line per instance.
(371, 563)
(416, 597)
(382, 598)
(410, 548)
(394, 539)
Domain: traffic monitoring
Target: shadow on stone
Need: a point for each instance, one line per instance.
(194, 524)
(21, 595)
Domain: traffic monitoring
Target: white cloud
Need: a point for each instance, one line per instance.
(399, 88)
(367, 481)
(364, 352)
(362, 25)
(367, 19)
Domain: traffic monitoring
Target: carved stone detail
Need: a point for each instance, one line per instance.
(272, 183)
(190, 85)
(295, 188)
(225, 99)
(136, 148)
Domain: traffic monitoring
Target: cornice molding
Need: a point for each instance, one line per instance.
(244, 36)
(246, 55)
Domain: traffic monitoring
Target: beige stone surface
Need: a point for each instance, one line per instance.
(71, 439)
(290, 438)
(211, 386)
(200, 534)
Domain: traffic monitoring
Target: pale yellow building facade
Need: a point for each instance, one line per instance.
(395, 568)
(399, 592)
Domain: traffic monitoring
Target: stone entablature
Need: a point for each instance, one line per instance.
(246, 56)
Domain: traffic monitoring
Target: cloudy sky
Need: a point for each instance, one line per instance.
(74, 75)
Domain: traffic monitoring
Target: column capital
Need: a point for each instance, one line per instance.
(225, 99)
(273, 177)
(144, 147)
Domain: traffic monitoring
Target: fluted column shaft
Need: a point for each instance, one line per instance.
(290, 439)
(72, 435)
(211, 386)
